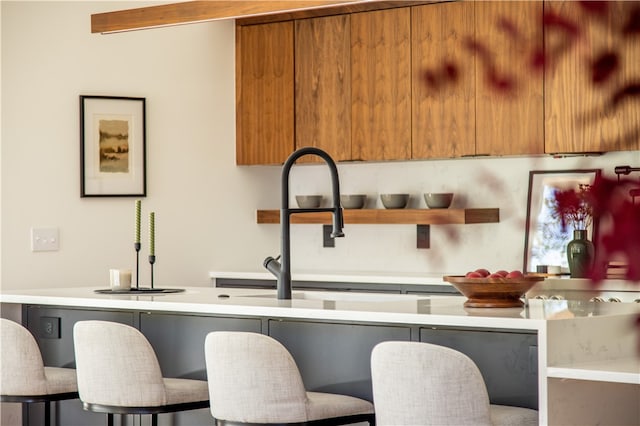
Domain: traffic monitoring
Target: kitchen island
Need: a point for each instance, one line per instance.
(576, 362)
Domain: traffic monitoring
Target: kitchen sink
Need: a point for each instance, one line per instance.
(344, 296)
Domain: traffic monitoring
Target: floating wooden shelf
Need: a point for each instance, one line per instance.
(392, 216)
(423, 218)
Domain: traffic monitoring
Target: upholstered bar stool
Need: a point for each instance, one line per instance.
(253, 379)
(119, 373)
(418, 383)
(24, 378)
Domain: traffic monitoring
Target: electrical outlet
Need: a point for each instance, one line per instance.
(45, 239)
(50, 327)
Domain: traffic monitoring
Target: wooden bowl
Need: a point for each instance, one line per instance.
(493, 292)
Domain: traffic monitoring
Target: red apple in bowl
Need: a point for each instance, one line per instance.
(483, 272)
(514, 274)
(502, 272)
(491, 291)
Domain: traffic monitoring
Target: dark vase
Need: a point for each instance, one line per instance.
(580, 254)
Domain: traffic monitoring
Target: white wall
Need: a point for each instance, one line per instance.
(205, 205)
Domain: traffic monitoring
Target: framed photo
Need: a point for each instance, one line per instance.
(545, 242)
(112, 147)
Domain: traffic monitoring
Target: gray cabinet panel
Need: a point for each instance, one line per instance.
(57, 351)
(178, 341)
(508, 361)
(335, 357)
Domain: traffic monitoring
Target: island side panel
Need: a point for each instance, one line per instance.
(582, 353)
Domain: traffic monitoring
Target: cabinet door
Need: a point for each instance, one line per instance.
(57, 351)
(335, 358)
(264, 93)
(577, 113)
(507, 360)
(444, 111)
(381, 85)
(323, 85)
(509, 122)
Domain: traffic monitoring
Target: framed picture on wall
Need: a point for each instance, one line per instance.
(545, 241)
(112, 147)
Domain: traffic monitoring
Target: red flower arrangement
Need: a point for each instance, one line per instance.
(606, 199)
(574, 207)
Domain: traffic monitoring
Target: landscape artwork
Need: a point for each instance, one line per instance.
(114, 146)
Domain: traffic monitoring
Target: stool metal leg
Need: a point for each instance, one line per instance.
(47, 413)
(154, 420)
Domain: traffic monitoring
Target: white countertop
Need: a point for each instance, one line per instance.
(347, 306)
(567, 330)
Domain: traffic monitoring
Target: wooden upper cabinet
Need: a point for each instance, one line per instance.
(381, 85)
(323, 85)
(264, 93)
(509, 122)
(578, 112)
(443, 81)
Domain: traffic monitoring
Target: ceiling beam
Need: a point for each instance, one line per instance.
(201, 11)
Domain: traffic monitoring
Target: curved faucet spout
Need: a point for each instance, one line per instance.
(282, 271)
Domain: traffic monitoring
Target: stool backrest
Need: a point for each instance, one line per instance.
(253, 379)
(424, 384)
(22, 366)
(116, 365)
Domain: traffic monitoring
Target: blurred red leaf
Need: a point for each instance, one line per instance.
(632, 26)
(628, 91)
(474, 46)
(604, 66)
(509, 28)
(451, 71)
(595, 7)
(553, 21)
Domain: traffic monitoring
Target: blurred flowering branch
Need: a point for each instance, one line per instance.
(573, 207)
(603, 53)
(611, 203)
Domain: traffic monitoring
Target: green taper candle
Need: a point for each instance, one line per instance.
(152, 233)
(138, 207)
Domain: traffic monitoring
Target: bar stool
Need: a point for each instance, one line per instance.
(118, 373)
(418, 383)
(254, 379)
(24, 378)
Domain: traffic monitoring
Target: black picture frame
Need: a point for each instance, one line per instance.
(553, 251)
(112, 146)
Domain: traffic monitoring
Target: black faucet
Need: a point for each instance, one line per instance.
(283, 271)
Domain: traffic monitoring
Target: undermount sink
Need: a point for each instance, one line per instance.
(344, 296)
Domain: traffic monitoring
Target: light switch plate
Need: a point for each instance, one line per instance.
(45, 239)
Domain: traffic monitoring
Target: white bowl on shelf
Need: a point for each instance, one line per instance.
(394, 201)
